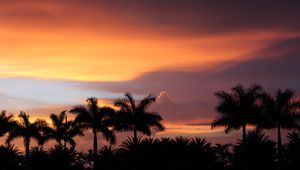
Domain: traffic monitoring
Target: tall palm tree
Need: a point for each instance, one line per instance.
(27, 130)
(63, 130)
(238, 108)
(5, 123)
(99, 119)
(135, 117)
(280, 112)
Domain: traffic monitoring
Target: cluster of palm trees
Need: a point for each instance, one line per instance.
(238, 109)
(130, 116)
(254, 106)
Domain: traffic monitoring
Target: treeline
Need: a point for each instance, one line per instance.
(160, 154)
(237, 109)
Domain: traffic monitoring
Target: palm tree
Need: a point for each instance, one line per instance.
(108, 158)
(135, 117)
(259, 152)
(62, 158)
(293, 150)
(224, 154)
(5, 123)
(200, 155)
(63, 130)
(99, 119)
(280, 112)
(10, 158)
(238, 108)
(27, 130)
(39, 159)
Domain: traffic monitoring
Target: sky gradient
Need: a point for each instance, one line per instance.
(54, 54)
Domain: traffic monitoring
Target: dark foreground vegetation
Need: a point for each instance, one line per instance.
(237, 109)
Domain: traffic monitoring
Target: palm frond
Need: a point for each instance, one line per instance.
(16, 133)
(92, 104)
(108, 134)
(24, 119)
(123, 105)
(145, 103)
(131, 100)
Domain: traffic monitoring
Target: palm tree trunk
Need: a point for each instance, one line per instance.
(27, 144)
(59, 143)
(65, 141)
(245, 159)
(95, 147)
(279, 143)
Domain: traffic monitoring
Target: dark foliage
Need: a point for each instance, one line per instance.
(257, 152)
(165, 153)
(292, 153)
(238, 108)
(10, 158)
(56, 158)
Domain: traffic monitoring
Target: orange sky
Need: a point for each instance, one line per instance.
(57, 40)
(87, 56)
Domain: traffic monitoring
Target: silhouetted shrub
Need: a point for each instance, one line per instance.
(10, 158)
(258, 152)
(292, 153)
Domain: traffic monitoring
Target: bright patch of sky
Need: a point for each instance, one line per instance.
(37, 92)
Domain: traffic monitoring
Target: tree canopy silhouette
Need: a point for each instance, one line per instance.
(135, 117)
(5, 123)
(257, 149)
(63, 130)
(237, 108)
(27, 130)
(280, 112)
(99, 119)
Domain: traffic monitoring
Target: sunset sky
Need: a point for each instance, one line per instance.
(55, 54)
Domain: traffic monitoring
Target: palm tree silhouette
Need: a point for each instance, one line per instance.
(293, 151)
(258, 150)
(108, 158)
(280, 112)
(135, 117)
(238, 108)
(5, 123)
(99, 119)
(27, 130)
(38, 159)
(11, 158)
(62, 158)
(63, 130)
(224, 154)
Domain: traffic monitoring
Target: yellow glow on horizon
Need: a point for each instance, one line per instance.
(175, 129)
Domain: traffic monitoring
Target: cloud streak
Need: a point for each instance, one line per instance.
(192, 16)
